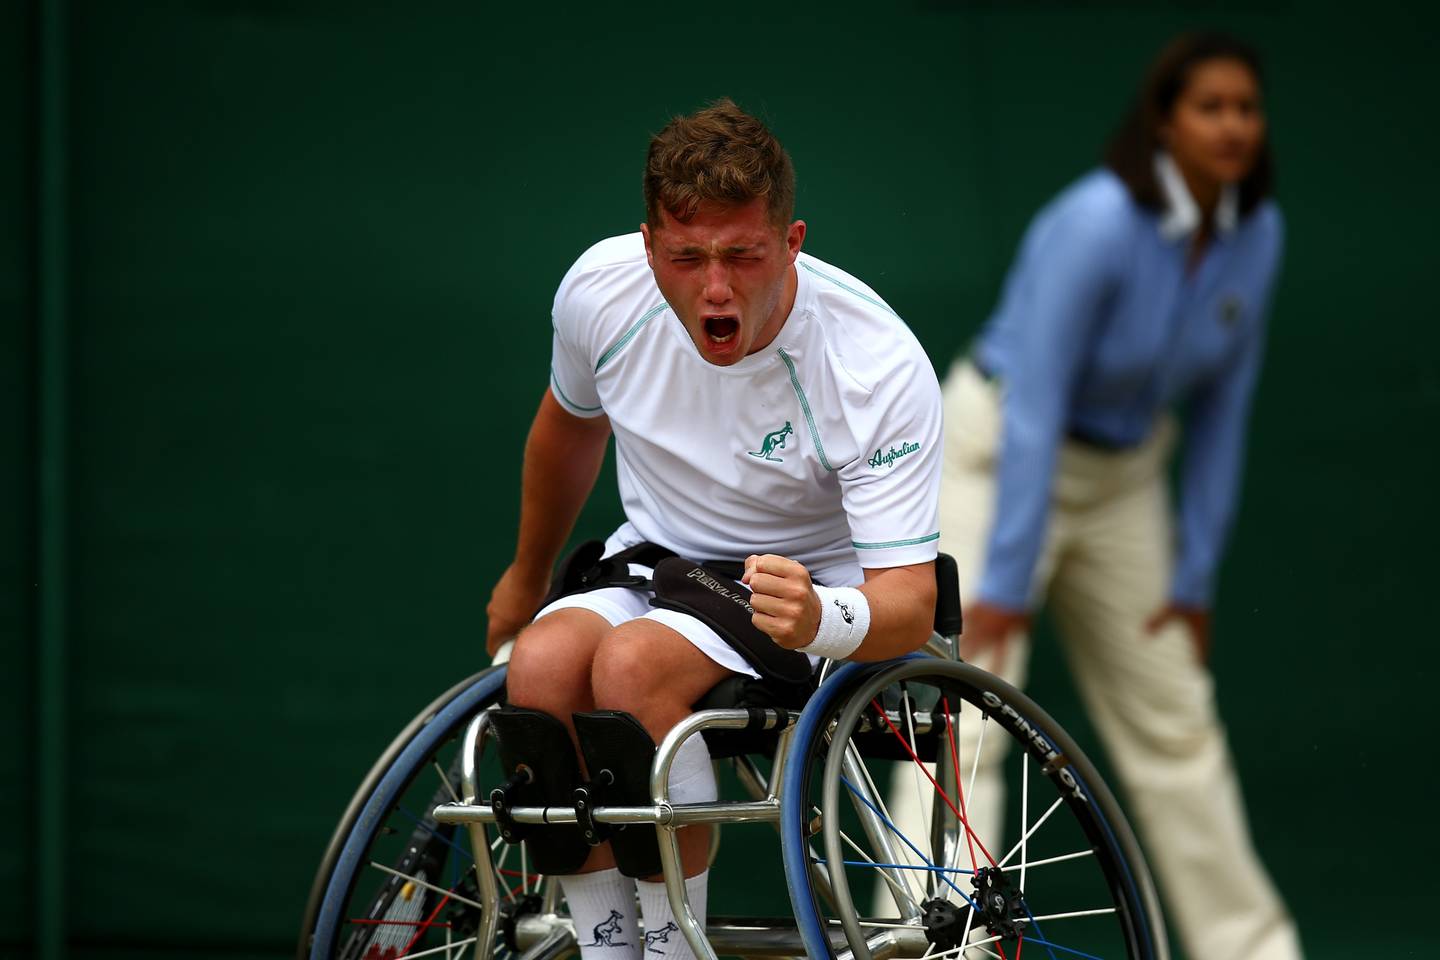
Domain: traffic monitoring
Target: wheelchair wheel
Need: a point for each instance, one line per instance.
(393, 882)
(1072, 883)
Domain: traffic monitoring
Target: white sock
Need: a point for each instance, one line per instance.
(692, 777)
(663, 938)
(602, 904)
(692, 780)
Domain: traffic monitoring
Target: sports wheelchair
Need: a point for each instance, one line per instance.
(428, 859)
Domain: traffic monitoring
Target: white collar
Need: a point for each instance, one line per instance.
(1182, 215)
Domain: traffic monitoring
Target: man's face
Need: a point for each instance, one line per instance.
(726, 275)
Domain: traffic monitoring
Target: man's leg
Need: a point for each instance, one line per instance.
(1152, 701)
(550, 670)
(655, 674)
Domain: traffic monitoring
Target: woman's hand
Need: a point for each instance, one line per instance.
(988, 629)
(1196, 618)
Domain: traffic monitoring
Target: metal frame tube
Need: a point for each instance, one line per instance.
(661, 814)
(730, 937)
(878, 835)
(756, 940)
(470, 748)
(672, 868)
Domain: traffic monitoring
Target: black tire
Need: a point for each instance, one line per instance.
(379, 823)
(1095, 888)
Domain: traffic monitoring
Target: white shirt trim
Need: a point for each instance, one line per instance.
(1182, 214)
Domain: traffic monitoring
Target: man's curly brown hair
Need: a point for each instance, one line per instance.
(720, 154)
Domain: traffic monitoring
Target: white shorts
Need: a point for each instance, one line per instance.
(621, 604)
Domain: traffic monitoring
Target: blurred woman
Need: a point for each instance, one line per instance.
(1143, 286)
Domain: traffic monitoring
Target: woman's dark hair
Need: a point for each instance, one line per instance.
(1131, 151)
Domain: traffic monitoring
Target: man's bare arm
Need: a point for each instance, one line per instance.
(902, 610)
(901, 601)
(563, 454)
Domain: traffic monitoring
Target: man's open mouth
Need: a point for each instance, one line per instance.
(721, 329)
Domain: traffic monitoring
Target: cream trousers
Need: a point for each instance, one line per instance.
(1104, 569)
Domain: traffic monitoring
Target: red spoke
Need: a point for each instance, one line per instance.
(959, 789)
(429, 922)
(938, 789)
(1019, 945)
(400, 923)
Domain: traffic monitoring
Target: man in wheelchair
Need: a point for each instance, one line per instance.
(778, 439)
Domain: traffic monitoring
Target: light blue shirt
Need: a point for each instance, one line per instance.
(1099, 330)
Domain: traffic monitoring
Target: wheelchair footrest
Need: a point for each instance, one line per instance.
(619, 752)
(538, 758)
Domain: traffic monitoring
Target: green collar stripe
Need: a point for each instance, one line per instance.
(851, 290)
(805, 406)
(894, 543)
(554, 382)
(608, 355)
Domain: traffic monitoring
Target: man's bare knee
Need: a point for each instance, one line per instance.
(550, 668)
(652, 673)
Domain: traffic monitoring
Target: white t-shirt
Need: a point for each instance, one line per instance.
(824, 447)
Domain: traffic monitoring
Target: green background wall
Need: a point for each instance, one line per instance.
(312, 252)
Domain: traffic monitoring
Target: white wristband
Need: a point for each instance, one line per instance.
(844, 620)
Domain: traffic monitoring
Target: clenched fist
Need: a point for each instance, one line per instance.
(787, 608)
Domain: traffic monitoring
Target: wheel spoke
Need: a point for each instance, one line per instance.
(977, 945)
(941, 790)
(904, 839)
(1035, 938)
(1026, 835)
(444, 780)
(920, 804)
(428, 886)
(979, 749)
(1076, 913)
(434, 950)
(880, 925)
(1024, 821)
(499, 869)
(1056, 835)
(899, 866)
(1039, 936)
(884, 811)
(431, 831)
(959, 790)
(883, 874)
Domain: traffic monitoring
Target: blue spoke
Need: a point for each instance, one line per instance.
(897, 866)
(906, 840)
(1047, 945)
(1040, 937)
(438, 836)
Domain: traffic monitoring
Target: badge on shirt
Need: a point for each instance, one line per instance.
(773, 441)
(1230, 311)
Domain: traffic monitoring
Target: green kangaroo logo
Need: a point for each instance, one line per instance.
(773, 440)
